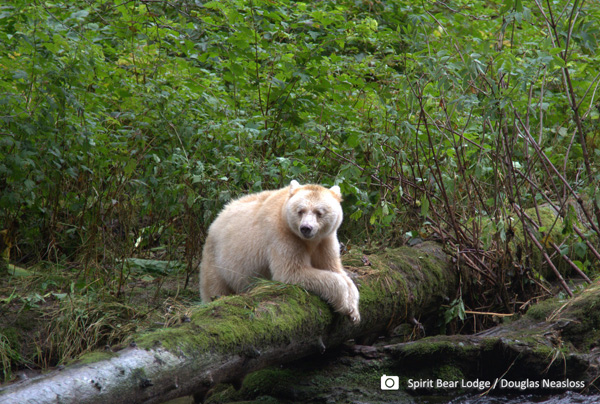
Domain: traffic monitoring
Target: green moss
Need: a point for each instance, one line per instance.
(271, 381)
(92, 357)
(544, 309)
(353, 258)
(581, 319)
(449, 373)
(359, 373)
(534, 342)
(431, 276)
(219, 326)
(447, 347)
(409, 275)
(261, 386)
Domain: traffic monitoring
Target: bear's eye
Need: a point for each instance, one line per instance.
(319, 213)
(301, 212)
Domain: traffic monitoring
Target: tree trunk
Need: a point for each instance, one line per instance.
(236, 335)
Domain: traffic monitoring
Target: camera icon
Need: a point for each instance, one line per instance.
(390, 382)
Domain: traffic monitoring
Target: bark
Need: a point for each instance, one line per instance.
(236, 335)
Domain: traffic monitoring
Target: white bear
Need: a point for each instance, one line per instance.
(288, 235)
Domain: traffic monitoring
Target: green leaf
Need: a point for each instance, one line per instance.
(580, 249)
(130, 167)
(353, 140)
(80, 15)
(555, 51)
(558, 61)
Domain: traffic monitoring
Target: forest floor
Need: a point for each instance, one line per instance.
(47, 320)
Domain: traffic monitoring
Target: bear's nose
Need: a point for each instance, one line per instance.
(306, 230)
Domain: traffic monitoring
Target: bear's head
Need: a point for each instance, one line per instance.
(312, 211)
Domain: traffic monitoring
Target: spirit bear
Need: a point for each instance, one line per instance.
(288, 235)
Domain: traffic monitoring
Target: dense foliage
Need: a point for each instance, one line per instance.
(126, 125)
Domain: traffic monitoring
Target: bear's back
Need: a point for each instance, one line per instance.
(252, 204)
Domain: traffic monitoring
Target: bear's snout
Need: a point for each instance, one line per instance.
(306, 230)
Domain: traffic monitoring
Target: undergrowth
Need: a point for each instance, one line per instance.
(48, 321)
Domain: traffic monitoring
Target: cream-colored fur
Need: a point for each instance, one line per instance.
(288, 235)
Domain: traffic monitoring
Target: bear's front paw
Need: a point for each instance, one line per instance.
(354, 316)
(351, 304)
(345, 299)
(352, 297)
(351, 310)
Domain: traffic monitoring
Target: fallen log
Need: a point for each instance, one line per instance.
(552, 350)
(236, 335)
(554, 347)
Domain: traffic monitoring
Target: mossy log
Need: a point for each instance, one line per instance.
(554, 347)
(236, 335)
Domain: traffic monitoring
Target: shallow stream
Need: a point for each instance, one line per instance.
(564, 398)
(568, 397)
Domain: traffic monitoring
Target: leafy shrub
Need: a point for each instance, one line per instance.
(129, 124)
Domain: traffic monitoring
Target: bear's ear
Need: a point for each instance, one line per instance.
(336, 190)
(294, 185)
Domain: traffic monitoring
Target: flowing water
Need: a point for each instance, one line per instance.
(568, 397)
